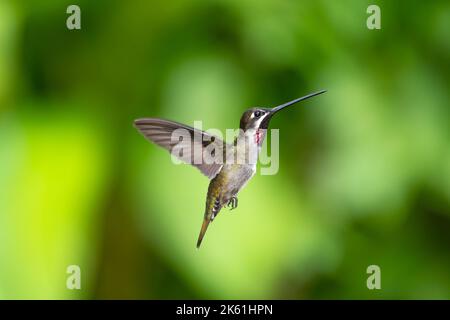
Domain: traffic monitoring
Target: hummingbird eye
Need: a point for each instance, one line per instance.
(257, 114)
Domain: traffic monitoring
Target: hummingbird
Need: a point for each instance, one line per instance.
(227, 177)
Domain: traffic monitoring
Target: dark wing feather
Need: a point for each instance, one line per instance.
(160, 132)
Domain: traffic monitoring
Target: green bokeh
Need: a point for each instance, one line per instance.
(364, 173)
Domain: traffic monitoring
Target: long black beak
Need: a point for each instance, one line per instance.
(287, 104)
(265, 122)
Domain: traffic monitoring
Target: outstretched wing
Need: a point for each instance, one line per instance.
(170, 135)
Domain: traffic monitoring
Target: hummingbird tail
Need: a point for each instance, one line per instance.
(205, 224)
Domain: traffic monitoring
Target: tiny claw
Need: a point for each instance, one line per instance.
(233, 202)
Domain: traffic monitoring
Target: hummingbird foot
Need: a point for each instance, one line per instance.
(233, 203)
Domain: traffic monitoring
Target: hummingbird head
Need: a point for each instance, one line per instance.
(259, 118)
(253, 118)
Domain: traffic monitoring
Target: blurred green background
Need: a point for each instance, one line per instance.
(364, 175)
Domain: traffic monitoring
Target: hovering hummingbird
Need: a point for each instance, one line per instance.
(229, 176)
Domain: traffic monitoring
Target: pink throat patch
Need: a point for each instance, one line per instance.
(258, 136)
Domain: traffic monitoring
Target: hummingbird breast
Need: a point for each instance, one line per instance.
(238, 169)
(236, 175)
